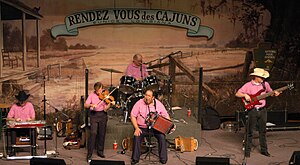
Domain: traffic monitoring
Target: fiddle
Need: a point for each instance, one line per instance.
(106, 97)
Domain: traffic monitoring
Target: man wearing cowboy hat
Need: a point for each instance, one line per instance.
(258, 115)
(21, 111)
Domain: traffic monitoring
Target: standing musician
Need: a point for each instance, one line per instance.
(98, 119)
(21, 111)
(258, 115)
(139, 113)
(137, 69)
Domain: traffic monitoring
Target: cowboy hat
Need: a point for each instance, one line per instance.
(22, 96)
(260, 73)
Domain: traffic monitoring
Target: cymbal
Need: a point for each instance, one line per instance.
(157, 65)
(111, 70)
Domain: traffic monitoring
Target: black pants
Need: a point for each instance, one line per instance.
(98, 131)
(257, 118)
(162, 144)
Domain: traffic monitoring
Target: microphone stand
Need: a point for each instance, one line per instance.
(142, 76)
(55, 124)
(44, 100)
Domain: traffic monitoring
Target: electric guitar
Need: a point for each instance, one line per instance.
(249, 105)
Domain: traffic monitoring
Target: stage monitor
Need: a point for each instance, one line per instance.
(212, 161)
(106, 162)
(295, 159)
(46, 161)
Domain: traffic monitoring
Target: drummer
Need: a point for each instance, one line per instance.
(137, 69)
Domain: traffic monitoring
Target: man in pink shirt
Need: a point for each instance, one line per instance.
(98, 120)
(21, 111)
(257, 115)
(139, 113)
(137, 69)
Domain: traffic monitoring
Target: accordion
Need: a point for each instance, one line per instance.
(188, 144)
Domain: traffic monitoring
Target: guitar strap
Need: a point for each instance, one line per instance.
(264, 85)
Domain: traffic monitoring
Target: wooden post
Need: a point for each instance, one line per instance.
(38, 44)
(247, 63)
(24, 41)
(200, 95)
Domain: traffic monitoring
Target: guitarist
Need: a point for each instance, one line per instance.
(257, 115)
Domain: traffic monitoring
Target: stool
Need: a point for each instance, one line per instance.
(149, 144)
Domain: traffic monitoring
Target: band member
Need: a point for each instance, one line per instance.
(98, 119)
(137, 69)
(258, 115)
(139, 114)
(21, 111)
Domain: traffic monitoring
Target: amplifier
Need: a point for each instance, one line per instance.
(41, 133)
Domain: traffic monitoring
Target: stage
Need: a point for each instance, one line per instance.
(212, 143)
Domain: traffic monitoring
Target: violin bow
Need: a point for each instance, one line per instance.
(108, 95)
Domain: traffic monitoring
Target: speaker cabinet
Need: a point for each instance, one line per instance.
(212, 161)
(295, 159)
(105, 162)
(46, 161)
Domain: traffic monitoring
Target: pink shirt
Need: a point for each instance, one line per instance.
(252, 88)
(23, 112)
(93, 98)
(140, 111)
(135, 71)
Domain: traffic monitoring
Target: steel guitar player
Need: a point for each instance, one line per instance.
(21, 111)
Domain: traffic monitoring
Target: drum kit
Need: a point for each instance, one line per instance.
(131, 90)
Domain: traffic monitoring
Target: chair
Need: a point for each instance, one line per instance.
(5, 57)
(8, 59)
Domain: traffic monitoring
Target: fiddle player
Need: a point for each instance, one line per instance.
(98, 118)
(258, 115)
(139, 114)
(137, 69)
(21, 111)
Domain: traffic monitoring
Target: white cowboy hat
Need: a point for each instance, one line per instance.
(260, 73)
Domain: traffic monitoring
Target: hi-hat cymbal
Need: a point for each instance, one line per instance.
(111, 70)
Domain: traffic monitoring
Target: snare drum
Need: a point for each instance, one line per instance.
(151, 83)
(127, 84)
(139, 86)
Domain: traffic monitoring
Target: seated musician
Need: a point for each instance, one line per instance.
(137, 69)
(139, 115)
(21, 111)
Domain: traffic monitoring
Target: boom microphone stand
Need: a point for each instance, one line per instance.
(55, 124)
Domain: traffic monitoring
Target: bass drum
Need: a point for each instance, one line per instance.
(132, 100)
